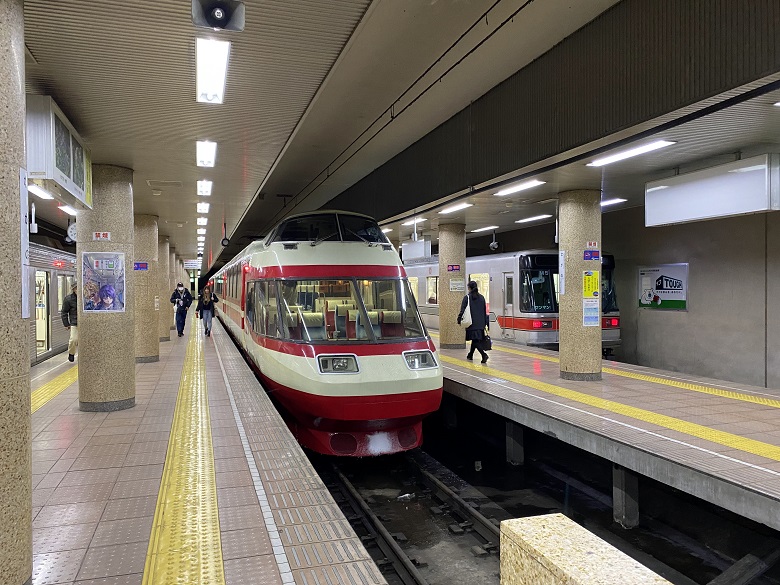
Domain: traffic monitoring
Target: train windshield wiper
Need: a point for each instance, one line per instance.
(358, 236)
(320, 240)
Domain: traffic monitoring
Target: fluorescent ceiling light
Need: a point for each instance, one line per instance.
(456, 207)
(534, 218)
(484, 229)
(39, 191)
(203, 220)
(201, 231)
(629, 153)
(651, 189)
(206, 153)
(204, 188)
(212, 62)
(203, 207)
(749, 169)
(519, 187)
(777, 104)
(201, 238)
(68, 209)
(612, 201)
(415, 221)
(387, 230)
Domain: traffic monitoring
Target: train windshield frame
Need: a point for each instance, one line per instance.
(329, 227)
(539, 284)
(328, 310)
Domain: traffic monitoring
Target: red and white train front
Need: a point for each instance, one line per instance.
(336, 336)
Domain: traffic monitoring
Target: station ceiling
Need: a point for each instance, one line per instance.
(318, 94)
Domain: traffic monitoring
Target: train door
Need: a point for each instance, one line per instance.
(42, 312)
(508, 293)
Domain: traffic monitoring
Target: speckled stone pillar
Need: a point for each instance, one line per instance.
(172, 280)
(147, 321)
(106, 340)
(579, 215)
(452, 284)
(15, 441)
(163, 290)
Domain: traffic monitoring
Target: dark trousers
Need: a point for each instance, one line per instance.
(477, 344)
(181, 317)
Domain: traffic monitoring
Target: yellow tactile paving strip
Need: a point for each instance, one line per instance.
(185, 544)
(695, 430)
(52, 389)
(692, 386)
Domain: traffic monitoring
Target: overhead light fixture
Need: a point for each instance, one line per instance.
(201, 231)
(455, 208)
(749, 169)
(204, 188)
(777, 104)
(68, 209)
(651, 189)
(484, 229)
(203, 207)
(415, 221)
(39, 192)
(534, 218)
(387, 230)
(614, 201)
(520, 187)
(206, 153)
(212, 63)
(629, 153)
(201, 238)
(203, 220)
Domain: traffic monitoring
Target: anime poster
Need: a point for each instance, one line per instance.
(103, 281)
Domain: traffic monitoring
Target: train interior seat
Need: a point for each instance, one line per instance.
(391, 324)
(373, 319)
(342, 312)
(314, 324)
(293, 325)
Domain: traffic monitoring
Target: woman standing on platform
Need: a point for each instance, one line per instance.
(479, 320)
(205, 308)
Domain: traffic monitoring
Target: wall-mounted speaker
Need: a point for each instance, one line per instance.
(219, 14)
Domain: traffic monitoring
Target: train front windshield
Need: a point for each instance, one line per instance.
(334, 310)
(539, 289)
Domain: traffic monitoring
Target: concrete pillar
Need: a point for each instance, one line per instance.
(163, 290)
(106, 339)
(147, 311)
(452, 284)
(172, 280)
(579, 214)
(15, 433)
(515, 443)
(625, 497)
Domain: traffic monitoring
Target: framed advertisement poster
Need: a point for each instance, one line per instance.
(103, 281)
(663, 287)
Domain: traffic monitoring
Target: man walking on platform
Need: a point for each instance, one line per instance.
(181, 299)
(70, 316)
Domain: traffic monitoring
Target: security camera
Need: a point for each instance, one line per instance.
(493, 245)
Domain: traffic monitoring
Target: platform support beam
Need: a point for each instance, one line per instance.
(515, 443)
(163, 287)
(173, 278)
(147, 280)
(625, 496)
(452, 284)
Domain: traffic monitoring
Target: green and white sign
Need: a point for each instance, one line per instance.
(663, 287)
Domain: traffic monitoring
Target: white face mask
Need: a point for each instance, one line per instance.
(181, 288)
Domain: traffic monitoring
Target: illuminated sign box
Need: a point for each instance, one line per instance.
(751, 185)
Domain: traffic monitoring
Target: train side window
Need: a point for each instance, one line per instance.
(433, 290)
(483, 286)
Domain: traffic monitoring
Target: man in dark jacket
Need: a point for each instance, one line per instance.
(70, 316)
(181, 299)
(479, 320)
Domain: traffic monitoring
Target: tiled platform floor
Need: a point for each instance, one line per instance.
(97, 477)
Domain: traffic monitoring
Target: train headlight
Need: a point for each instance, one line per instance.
(338, 364)
(420, 360)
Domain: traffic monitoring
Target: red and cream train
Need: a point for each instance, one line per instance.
(323, 309)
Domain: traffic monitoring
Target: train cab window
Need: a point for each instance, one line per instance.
(391, 311)
(537, 294)
(249, 310)
(433, 290)
(310, 228)
(413, 284)
(608, 294)
(356, 228)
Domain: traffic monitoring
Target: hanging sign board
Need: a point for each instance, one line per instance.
(189, 264)
(663, 287)
(590, 284)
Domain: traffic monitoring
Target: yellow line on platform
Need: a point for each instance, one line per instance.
(692, 386)
(52, 389)
(695, 430)
(185, 544)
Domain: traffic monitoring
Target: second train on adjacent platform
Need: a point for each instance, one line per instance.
(323, 310)
(522, 290)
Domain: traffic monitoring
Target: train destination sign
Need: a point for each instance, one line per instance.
(663, 287)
